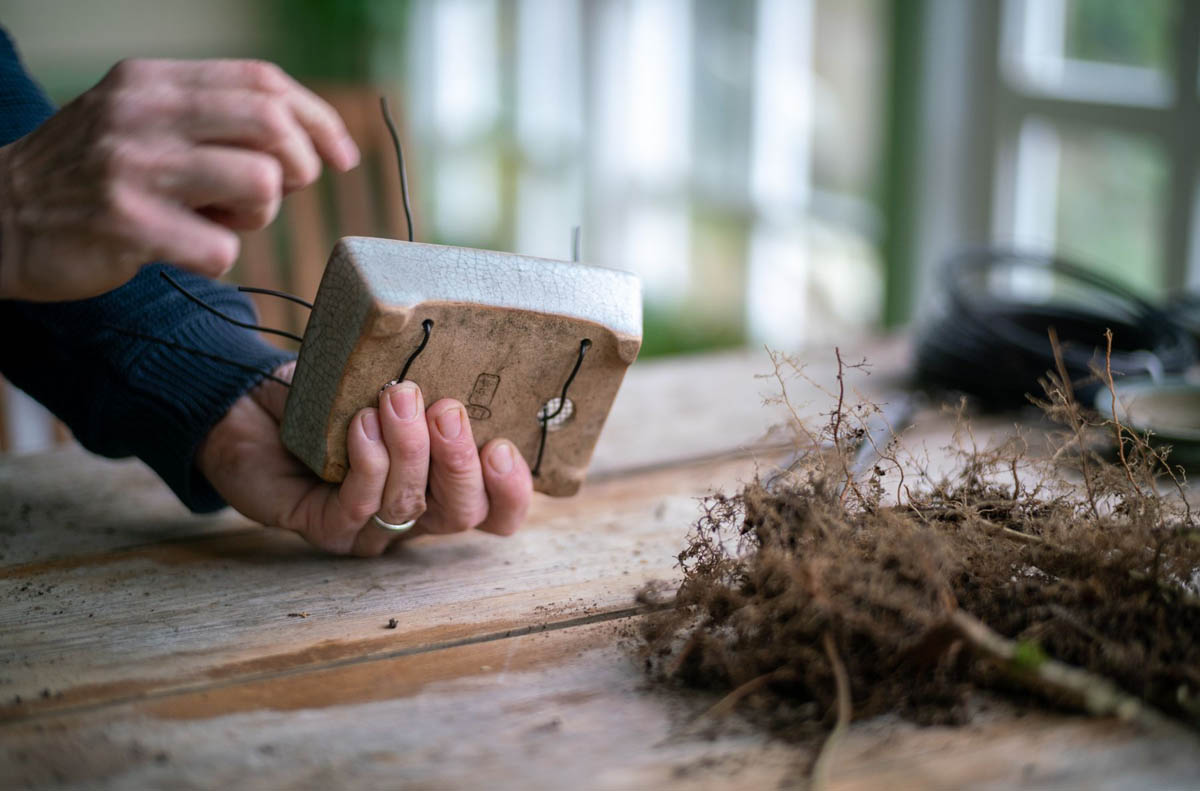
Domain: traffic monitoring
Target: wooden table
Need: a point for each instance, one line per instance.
(144, 647)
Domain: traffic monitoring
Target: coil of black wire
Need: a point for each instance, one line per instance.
(987, 332)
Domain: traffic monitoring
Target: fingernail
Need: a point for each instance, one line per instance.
(404, 401)
(350, 153)
(370, 424)
(501, 458)
(449, 423)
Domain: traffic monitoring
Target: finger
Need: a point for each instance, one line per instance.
(255, 120)
(162, 230)
(509, 487)
(322, 123)
(325, 126)
(372, 541)
(406, 435)
(237, 188)
(361, 492)
(455, 475)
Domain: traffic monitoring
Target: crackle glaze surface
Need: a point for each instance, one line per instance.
(507, 331)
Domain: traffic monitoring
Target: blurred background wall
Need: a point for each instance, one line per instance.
(777, 171)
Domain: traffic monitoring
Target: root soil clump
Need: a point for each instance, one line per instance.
(1069, 575)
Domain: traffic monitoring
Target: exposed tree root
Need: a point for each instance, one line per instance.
(1071, 575)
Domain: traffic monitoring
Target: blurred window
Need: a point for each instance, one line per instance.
(726, 152)
(1098, 118)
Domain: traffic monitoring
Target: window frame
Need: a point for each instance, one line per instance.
(971, 107)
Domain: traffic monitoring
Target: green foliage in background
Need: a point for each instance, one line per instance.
(336, 40)
(1130, 32)
(667, 331)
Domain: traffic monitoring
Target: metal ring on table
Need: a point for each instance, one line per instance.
(403, 527)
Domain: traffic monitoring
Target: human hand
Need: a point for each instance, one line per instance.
(405, 463)
(162, 160)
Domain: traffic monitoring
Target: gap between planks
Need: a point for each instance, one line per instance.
(7, 720)
(644, 498)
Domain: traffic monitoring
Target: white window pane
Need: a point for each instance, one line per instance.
(780, 177)
(467, 190)
(1091, 50)
(549, 88)
(1036, 192)
(658, 91)
(548, 207)
(466, 67)
(657, 248)
(777, 286)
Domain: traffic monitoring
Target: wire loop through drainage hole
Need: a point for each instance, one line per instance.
(563, 416)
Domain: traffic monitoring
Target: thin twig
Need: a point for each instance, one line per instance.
(837, 426)
(1112, 392)
(1072, 409)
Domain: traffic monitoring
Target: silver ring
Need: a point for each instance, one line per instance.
(403, 527)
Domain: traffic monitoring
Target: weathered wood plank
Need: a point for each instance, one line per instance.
(67, 502)
(559, 709)
(689, 407)
(112, 624)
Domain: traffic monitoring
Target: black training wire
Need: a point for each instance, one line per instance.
(226, 316)
(426, 325)
(391, 125)
(997, 348)
(584, 345)
(273, 293)
(198, 352)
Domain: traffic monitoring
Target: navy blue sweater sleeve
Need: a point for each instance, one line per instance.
(93, 362)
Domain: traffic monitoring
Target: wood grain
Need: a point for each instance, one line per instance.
(119, 623)
(564, 708)
(151, 648)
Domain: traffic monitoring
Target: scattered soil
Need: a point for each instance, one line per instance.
(1069, 575)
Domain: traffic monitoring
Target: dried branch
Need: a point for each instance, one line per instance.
(1091, 693)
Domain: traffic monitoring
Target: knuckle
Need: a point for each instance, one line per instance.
(265, 76)
(121, 157)
(126, 71)
(254, 218)
(306, 166)
(359, 513)
(264, 179)
(374, 468)
(123, 206)
(406, 506)
(272, 119)
(459, 459)
(410, 447)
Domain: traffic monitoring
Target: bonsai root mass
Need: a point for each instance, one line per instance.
(1070, 574)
